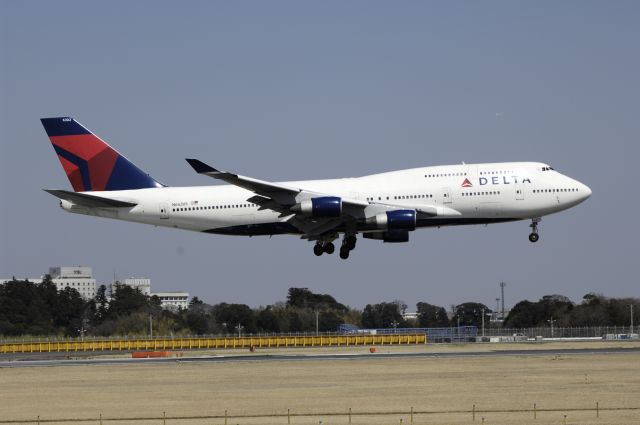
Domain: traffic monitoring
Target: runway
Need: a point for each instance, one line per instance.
(316, 357)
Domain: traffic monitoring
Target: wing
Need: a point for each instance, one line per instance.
(285, 200)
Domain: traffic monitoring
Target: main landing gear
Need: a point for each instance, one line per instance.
(323, 246)
(533, 236)
(327, 246)
(348, 245)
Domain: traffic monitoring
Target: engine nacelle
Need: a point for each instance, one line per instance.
(396, 220)
(325, 206)
(391, 236)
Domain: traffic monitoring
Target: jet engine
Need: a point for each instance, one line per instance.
(321, 207)
(395, 220)
(392, 236)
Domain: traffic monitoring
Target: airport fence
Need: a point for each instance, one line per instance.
(443, 334)
(559, 332)
(474, 414)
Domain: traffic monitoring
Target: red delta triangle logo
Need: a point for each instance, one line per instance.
(466, 183)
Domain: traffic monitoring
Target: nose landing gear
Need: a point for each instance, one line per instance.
(533, 236)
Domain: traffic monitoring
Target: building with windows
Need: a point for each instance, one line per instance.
(169, 300)
(143, 284)
(79, 278)
(173, 300)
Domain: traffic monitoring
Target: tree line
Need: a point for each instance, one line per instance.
(39, 309)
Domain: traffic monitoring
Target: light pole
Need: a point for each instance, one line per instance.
(82, 330)
(631, 312)
(497, 308)
(551, 322)
(395, 326)
(150, 326)
(317, 319)
(239, 328)
(483, 322)
(502, 285)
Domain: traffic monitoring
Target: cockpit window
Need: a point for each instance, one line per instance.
(547, 168)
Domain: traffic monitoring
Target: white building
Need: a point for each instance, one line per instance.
(169, 300)
(143, 284)
(173, 300)
(410, 316)
(79, 278)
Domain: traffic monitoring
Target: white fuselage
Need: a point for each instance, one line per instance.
(481, 193)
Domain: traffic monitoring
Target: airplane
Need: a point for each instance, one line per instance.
(385, 207)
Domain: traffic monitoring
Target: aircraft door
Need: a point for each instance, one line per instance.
(519, 188)
(446, 195)
(164, 210)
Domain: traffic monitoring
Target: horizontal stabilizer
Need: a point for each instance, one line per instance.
(89, 200)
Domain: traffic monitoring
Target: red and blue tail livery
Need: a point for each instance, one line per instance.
(90, 163)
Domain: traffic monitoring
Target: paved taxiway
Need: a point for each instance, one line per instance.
(303, 357)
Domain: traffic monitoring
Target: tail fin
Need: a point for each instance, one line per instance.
(90, 163)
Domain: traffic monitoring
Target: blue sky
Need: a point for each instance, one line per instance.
(305, 90)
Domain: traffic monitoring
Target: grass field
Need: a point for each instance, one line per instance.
(318, 387)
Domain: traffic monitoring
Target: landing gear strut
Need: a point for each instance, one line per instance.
(348, 244)
(533, 236)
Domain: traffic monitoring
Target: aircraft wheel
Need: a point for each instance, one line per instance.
(344, 253)
(351, 242)
(329, 248)
(318, 249)
(533, 237)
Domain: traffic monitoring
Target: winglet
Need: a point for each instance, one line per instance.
(201, 167)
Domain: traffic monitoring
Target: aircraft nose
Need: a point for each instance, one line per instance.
(585, 191)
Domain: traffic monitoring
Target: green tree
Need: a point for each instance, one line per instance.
(328, 321)
(69, 311)
(431, 316)
(529, 314)
(126, 300)
(23, 309)
(304, 298)
(267, 320)
(102, 304)
(229, 316)
(382, 315)
(469, 314)
(197, 317)
(525, 314)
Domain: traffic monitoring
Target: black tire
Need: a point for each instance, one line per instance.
(344, 253)
(351, 242)
(329, 248)
(318, 250)
(533, 237)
